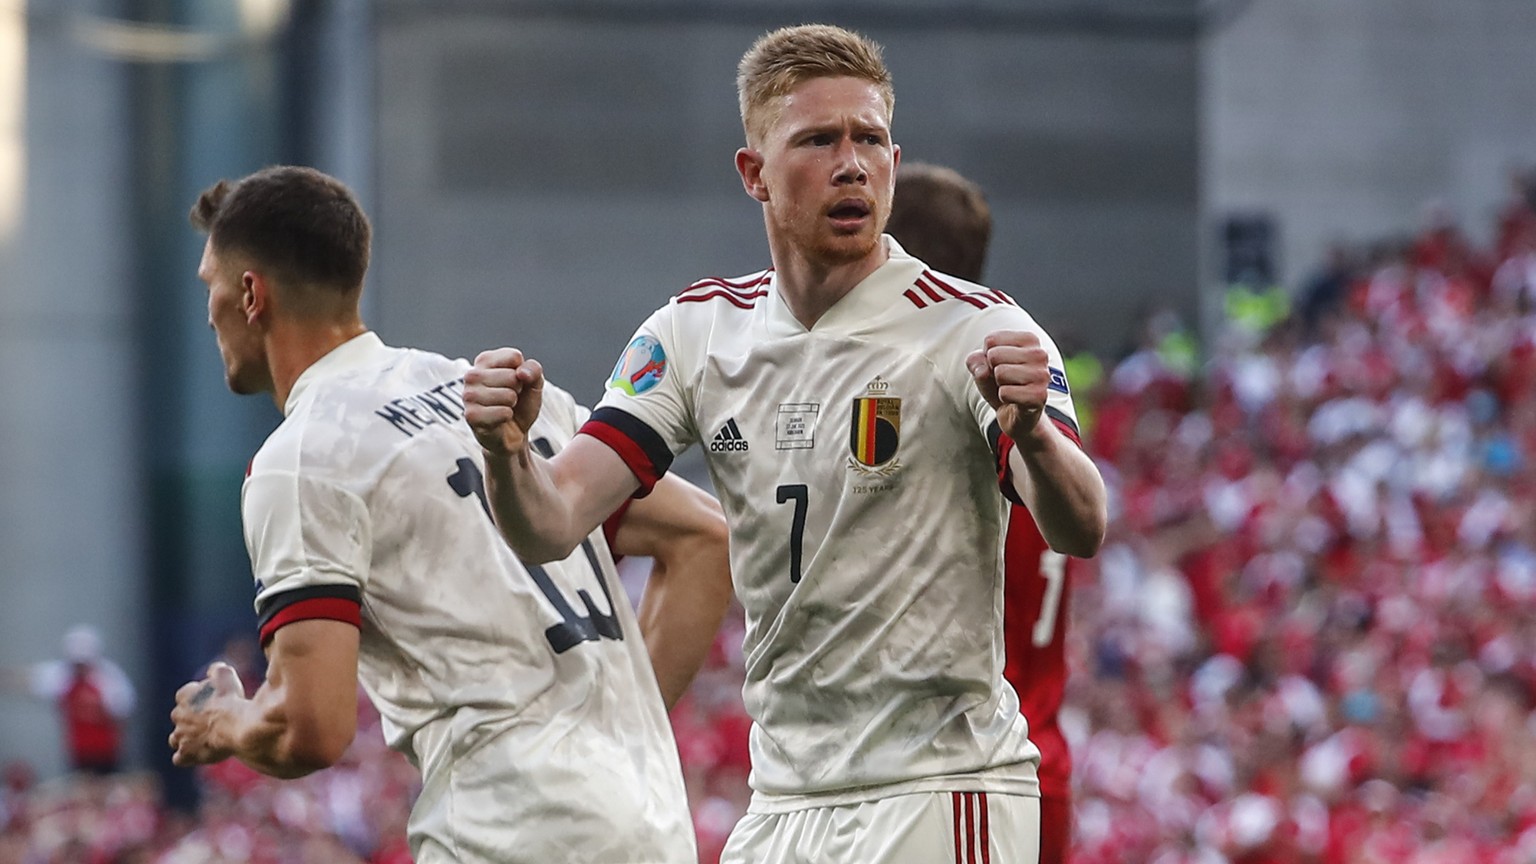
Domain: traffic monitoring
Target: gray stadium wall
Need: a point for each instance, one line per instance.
(546, 178)
(1344, 119)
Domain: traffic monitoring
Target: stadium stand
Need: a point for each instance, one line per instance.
(1311, 636)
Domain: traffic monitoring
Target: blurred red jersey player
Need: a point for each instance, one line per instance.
(943, 219)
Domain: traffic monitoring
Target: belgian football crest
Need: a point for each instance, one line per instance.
(874, 433)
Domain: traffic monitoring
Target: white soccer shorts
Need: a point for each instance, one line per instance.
(921, 828)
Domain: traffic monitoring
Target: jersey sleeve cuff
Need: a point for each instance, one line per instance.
(611, 528)
(642, 450)
(330, 602)
(1002, 445)
(1065, 423)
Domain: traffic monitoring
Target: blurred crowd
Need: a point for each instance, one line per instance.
(1310, 637)
(352, 813)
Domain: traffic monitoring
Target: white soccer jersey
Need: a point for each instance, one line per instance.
(524, 694)
(858, 466)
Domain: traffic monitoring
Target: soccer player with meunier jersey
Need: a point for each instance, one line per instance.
(943, 218)
(523, 693)
(859, 414)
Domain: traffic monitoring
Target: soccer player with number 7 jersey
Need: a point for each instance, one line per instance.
(524, 693)
(873, 419)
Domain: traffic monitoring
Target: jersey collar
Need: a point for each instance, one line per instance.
(351, 354)
(870, 299)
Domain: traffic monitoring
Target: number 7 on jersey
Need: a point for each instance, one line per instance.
(797, 493)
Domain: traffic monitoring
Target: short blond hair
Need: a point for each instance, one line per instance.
(782, 60)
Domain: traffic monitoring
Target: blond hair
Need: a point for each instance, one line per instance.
(782, 60)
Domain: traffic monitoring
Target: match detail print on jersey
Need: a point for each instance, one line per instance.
(795, 427)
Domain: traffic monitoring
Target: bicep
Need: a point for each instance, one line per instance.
(675, 508)
(593, 478)
(313, 663)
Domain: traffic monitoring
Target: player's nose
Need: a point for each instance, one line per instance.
(849, 168)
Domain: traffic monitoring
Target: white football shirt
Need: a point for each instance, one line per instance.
(859, 469)
(524, 694)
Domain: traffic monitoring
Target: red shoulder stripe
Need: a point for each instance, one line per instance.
(741, 284)
(740, 302)
(740, 289)
(957, 294)
(986, 295)
(916, 300)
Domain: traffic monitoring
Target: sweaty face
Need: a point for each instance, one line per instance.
(240, 344)
(830, 169)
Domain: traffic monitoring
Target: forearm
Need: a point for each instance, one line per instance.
(1063, 490)
(529, 510)
(680, 612)
(546, 507)
(301, 719)
(272, 755)
(261, 732)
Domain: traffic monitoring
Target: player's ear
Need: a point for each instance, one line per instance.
(749, 164)
(255, 295)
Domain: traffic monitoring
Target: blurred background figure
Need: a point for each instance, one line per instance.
(93, 696)
(942, 218)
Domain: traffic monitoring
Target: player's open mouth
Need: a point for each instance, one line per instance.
(849, 213)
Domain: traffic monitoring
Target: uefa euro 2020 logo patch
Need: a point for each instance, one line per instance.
(642, 367)
(1058, 381)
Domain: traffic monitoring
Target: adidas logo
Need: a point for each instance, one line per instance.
(728, 438)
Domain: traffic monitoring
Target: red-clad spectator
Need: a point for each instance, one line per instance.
(92, 694)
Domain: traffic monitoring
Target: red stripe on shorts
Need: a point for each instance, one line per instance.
(986, 839)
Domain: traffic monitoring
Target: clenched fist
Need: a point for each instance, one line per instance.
(201, 708)
(502, 395)
(1012, 371)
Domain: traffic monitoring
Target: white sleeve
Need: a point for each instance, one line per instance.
(116, 690)
(310, 543)
(646, 414)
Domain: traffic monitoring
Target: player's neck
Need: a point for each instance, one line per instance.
(810, 287)
(296, 346)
